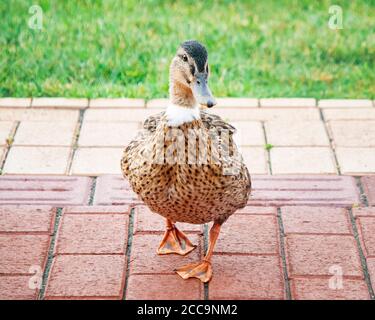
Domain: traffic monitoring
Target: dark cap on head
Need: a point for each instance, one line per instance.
(197, 51)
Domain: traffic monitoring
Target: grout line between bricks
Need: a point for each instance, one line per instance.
(361, 255)
(92, 191)
(128, 250)
(205, 248)
(283, 256)
(362, 194)
(50, 254)
(75, 140)
(330, 141)
(9, 146)
(267, 149)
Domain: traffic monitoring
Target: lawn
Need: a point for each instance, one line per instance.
(115, 48)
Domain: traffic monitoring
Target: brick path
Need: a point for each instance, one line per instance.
(71, 228)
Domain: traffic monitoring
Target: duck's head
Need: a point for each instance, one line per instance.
(189, 74)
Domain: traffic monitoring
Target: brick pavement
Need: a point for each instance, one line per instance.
(71, 228)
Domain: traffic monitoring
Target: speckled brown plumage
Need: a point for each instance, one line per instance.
(193, 193)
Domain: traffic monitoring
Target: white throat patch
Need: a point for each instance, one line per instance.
(177, 115)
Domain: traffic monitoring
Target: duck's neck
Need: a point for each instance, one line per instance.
(181, 95)
(183, 107)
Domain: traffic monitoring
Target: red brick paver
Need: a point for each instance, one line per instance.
(371, 269)
(319, 289)
(26, 219)
(315, 220)
(16, 288)
(90, 254)
(364, 212)
(312, 190)
(318, 255)
(322, 255)
(261, 237)
(163, 287)
(24, 242)
(248, 262)
(92, 233)
(246, 277)
(258, 210)
(48, 190)
(24, 238)
(21, 252)
(87, 277)
(369, 188)
(366, 229)
(114, 190)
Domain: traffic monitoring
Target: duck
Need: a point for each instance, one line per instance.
(184, 163)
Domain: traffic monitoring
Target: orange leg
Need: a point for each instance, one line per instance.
(202, 270)
(175, 241)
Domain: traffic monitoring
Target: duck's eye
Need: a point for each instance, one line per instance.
(184, 57)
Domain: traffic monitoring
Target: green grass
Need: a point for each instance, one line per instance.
(256, 48)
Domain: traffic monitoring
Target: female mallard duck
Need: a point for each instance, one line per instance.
(179, 178)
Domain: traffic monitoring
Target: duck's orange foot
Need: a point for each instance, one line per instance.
(175, 241)
(201, 270)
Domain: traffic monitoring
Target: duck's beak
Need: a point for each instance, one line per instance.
(201, 91)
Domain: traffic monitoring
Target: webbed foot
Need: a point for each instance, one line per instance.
(175, 241)
(201, 270)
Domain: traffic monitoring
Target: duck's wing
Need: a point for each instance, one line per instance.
(133, 151)
(242, 183)
(149, 127)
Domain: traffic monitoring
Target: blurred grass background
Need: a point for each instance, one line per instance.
(113, 48)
